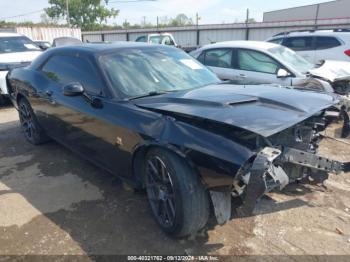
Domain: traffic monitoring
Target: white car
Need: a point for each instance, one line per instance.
(251, 62)
(15, 51)
(317, 45)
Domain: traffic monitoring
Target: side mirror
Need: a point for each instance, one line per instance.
(282, 73)
(73, 89)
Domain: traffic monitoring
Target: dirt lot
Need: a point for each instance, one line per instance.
(53, 202)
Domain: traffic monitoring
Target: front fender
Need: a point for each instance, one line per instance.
(217, 159)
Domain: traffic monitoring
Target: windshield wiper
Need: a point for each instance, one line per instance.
(152, 93)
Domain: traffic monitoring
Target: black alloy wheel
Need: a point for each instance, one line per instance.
(30, 126)
(177, 196)
(160, 191)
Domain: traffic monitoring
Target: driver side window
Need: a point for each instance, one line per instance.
(65, 69)
(250, 60)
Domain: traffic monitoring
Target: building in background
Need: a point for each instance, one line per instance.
(328, 10)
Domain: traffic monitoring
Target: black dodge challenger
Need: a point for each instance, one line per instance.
(159, 119)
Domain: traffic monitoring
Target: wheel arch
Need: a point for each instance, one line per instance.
(141, 150)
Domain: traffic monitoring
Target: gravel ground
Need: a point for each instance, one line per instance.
(53, 202)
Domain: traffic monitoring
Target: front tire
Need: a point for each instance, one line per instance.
(30, 125)
(177, 197)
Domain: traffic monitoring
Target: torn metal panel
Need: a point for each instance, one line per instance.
(222, 205)
(302, 158)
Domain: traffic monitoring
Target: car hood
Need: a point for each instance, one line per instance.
(264, 110)
(333, 71)
(19, 57)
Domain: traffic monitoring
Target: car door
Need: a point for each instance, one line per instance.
(255, 67)
(219, 60)
(79, 121)
(303, 45)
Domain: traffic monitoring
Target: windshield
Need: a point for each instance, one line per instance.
(291, 59)
(140, 71)
(17, 44)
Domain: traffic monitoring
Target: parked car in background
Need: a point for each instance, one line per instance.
(66, 41)
(317, 45)
(15, 51)
(251, 62)
(42, 44)
(161, 120)
(162, 39)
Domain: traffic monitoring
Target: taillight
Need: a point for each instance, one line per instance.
(347, 52)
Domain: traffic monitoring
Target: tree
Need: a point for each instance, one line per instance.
(86, 14)
(46, 20)
(251, 20)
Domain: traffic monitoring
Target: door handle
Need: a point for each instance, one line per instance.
(48, 92)
(242, 76)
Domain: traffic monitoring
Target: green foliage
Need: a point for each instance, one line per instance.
(86, 14)
(181, 20)
(251, 20)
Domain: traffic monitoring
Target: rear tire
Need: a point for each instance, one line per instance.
(177, 197)
(30, 125)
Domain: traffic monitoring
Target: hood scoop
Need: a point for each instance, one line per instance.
(243, 101)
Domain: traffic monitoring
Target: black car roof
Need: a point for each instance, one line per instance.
(102, 48)
(93, 50)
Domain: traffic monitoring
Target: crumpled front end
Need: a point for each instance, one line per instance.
(276, 168)
(280, 159)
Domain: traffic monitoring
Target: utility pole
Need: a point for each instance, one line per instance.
(68, 18)
(316, 16)
(198, 32)
(157, 23)
(247, 27)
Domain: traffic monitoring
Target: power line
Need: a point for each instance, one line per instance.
(24, 14)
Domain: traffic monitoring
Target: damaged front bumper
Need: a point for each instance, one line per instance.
(267, 172)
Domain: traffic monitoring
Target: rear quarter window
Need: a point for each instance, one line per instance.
(326, 42)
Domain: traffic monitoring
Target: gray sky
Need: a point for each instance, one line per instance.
(213, 11)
